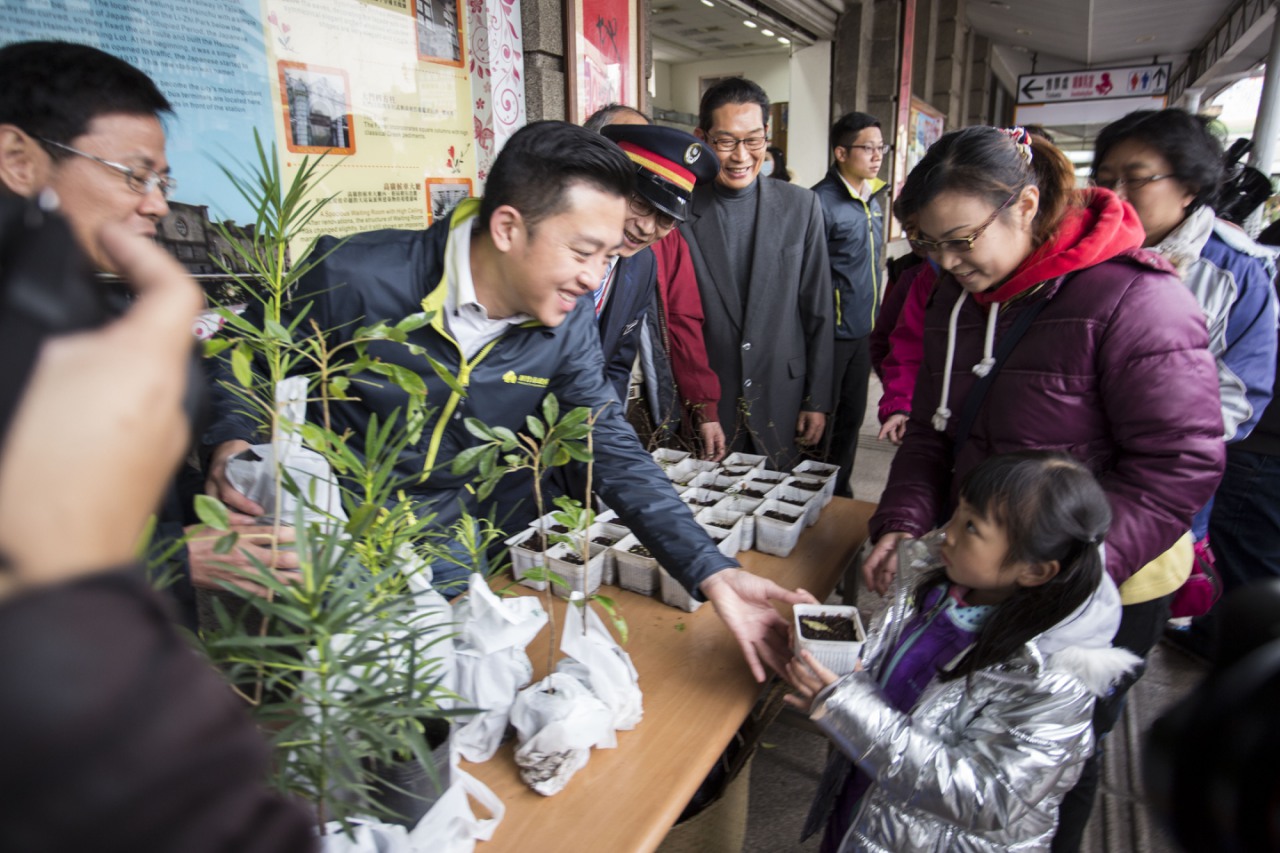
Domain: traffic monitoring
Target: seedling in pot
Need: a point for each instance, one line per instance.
(832, 627)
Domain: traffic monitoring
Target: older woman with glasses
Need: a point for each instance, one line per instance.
(1109, 363)
(1169, 167)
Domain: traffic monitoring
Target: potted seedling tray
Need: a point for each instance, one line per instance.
(721, 537)
(810, 502)
(549, 522)
(605, 536)
(726, 520)
(703, 479)
(566, 560)
(759, 491)
(817, 470)
(746, 506)
(637, 568)
(778, 527)
(526, 554)
(700, 498)
(831, 633)
(814, 485)
(666, 456)
(674, 594)
(751, 460)
(765, 477)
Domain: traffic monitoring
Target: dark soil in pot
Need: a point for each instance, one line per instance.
(780, 516)
(837, 629)
(640, 550)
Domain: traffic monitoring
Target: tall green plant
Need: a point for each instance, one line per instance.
(344, 674)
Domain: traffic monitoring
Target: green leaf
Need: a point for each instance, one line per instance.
(468, 459)
(242, 364)
(479, 429)
(535, 427)
(214, 346)
(277, 332)
(578, 452)
(225, 543)
(338, 387)
(448, 377)
(679, 626)
(562, 456)
(611, 607)
(550, 409)
(212, 513)
(576, 416)
(414, 322)
(508, 437)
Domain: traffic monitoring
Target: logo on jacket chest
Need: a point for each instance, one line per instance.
(513, 378)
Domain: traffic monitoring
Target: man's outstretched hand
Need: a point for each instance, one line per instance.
(745, 603)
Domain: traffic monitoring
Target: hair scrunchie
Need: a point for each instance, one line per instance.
(1021, 141)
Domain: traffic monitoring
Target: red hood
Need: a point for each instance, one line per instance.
(1101, 229)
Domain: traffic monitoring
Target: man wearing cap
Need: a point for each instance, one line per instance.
(506, 279)
(668, 163)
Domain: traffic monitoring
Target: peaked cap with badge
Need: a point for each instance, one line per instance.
(669, 164)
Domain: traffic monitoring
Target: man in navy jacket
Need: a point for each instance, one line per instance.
(502, 278)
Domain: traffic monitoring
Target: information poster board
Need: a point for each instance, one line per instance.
(379, 87)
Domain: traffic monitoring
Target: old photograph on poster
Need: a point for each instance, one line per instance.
(317, 109)
(438, 24)
(603, 55)
(443, 195)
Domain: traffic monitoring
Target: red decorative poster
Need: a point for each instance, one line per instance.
(606, 72)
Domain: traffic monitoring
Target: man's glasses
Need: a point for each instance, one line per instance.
(140, 180)
(959, 244)
(1115, 184)
(872, 150)
(641, 207)
(728, 144)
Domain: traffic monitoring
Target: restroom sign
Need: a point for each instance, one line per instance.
(1092, 84)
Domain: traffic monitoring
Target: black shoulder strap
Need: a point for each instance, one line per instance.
(974, 401)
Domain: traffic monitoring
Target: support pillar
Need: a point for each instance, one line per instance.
(1264, 132)
(1191, 100)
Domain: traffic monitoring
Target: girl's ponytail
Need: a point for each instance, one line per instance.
(1056, 178)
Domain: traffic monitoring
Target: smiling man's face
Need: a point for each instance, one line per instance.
(564, 257)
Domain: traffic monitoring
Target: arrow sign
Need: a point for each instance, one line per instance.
(1091, 84)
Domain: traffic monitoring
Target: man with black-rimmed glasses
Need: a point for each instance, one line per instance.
(759, 252)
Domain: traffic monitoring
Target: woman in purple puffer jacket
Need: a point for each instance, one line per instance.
(1114, 370)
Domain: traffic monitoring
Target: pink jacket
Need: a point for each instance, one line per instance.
(898, 369)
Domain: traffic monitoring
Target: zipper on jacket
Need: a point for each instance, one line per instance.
(464, 379)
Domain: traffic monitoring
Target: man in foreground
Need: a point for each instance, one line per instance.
(503, 277)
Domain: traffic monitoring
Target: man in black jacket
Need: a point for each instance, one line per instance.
(503, 279)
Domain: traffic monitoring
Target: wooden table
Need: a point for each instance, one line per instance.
(697, 692)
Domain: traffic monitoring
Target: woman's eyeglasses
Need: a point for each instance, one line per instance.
(1115, 184)
(959, 244)
(140, 180)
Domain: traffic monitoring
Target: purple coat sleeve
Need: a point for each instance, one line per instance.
(906, 344)
(1159, 387)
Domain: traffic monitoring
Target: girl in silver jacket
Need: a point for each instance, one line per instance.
(969, 717)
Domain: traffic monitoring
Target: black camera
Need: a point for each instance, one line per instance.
(47, 288)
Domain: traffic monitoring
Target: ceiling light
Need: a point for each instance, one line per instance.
(751, 24)
(767, 33)
(1143, 39)
(708, 3)
(1020, 31)
(999, 5)
(1021, 48)
(783, 40)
